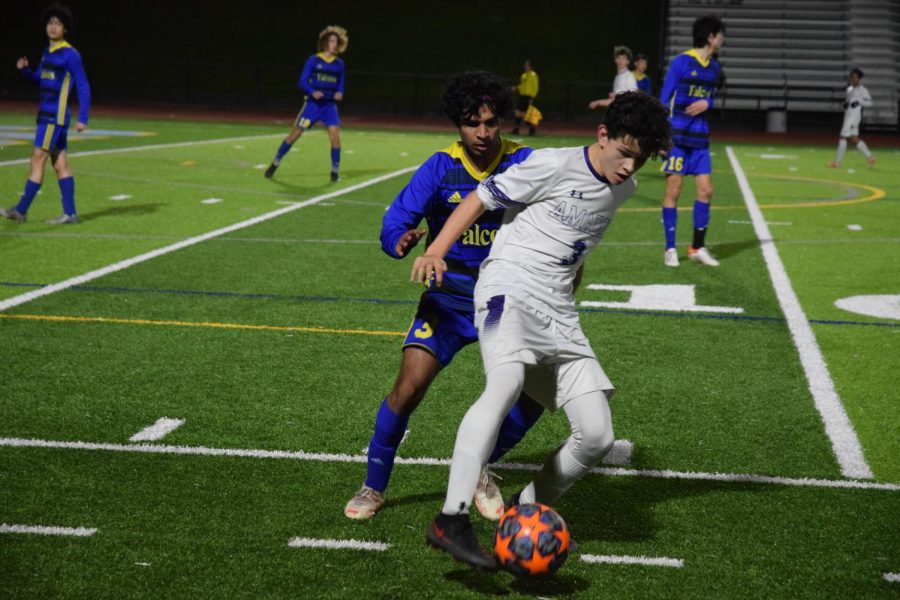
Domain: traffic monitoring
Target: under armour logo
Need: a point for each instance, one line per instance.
(577, 194)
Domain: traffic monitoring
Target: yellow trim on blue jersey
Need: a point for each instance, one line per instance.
(48, 137)
(695, 52)
(58, 45)
(63, 100)
(325, 58)
(638, 76)
(456, 150)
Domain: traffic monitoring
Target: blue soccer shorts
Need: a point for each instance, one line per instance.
(441, 330)
(313, 112)
(687, 161)
(51, 137)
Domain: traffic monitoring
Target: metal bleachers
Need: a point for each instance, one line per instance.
(795, 55)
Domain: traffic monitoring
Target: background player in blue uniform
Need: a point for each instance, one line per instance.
(60, 69)
(689, 89)
(444, 321)
(322, 80)
(640, 74)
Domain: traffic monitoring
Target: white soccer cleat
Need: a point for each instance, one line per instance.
(702, 256)
(487, 496)
(364, 504)
(671, 258)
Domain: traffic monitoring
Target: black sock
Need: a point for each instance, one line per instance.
(699, 238)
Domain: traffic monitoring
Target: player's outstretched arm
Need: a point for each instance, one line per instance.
(432, 262)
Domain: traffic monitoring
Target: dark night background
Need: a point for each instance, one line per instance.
(243, 54)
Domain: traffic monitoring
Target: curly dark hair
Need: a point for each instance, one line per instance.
(63, 13)
(642, 117)
(467, 92)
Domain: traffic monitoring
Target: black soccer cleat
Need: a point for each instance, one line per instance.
(453, 534)
(271, 170)
(335, 177)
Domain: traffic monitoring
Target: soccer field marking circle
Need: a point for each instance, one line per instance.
(648, 561)
(737, 478)
(48, 530)
(331, 544)
(844, 441)
(124, 264)
(160, 429)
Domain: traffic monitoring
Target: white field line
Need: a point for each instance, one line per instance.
(633, 560)
(443, 462)
(124, 264)
(25, 161)
(892, 577)
(45, 530)
(299, 542)
(163, 427)
(838, 427)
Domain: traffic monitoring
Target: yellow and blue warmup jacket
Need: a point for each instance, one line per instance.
(60, 69)
(689, 79)
(322, 75)
(435, 190)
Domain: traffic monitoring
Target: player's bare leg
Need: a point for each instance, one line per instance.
(60, 161)
(418, 368)
(35, 176)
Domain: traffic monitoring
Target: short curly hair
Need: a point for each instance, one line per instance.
(643, 118)
(467, 92)
(342, 38)
(63, 13)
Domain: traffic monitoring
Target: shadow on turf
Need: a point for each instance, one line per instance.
(729, 249)
(496, 584)
(118, 211)
(326, 184)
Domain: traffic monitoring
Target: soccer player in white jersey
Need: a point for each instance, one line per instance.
(624, 81)
(857, 97)
(558, 203)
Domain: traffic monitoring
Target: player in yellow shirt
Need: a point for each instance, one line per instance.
(526, 92)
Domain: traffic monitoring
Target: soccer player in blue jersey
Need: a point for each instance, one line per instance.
(688, 90)
(322, 80)
(60, 69)
(444, 322)
(640, 74)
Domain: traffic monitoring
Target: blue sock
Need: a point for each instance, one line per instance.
(701, 214)
(31, 190)
(522, 417)
(335, 159)
(67, 189)
(282, 150)
(670, 221)
(389, 430)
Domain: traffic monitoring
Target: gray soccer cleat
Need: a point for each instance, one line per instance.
(64, 219)
(487, 497)
(364, 504)
(12, 214)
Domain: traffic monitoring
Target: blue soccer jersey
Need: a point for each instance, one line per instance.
(444, 322)
(60, 69)
(689, 79)
(643, 82)
(321, 74)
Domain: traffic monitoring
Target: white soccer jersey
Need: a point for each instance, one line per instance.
(624, 82)
(859, 96)
(558, 208)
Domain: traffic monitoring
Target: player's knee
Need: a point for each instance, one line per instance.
(405, 397)
(705, 192)
(593, 445)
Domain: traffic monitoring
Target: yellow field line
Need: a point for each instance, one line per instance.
(237, 326)
(874, 194)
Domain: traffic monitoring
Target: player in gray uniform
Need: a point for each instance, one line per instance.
(857, 98)
(558, 204)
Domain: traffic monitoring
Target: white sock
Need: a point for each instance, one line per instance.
(591, 439)
(861, 146)
(477, 434)
(842, 147)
